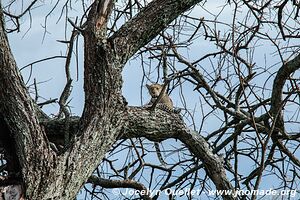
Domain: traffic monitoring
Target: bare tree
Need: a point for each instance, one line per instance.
(247, 110)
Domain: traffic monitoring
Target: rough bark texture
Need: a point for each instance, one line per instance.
(146, 25)
(17, 110)
(157, 126)
(47, 175)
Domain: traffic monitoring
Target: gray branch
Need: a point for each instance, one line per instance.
(158, 126)
(147, 24)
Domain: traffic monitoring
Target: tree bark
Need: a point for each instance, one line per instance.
(47, 175)
(18, 112)
(157, 126)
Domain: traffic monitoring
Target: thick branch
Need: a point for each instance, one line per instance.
(282, 75)
(147, 24)
(18, 111)
(276, 100)
(107, 183)
(158, 126)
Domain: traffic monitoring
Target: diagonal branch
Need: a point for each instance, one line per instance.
(282, 75)
(158, 126)
(20, 114)
(276, 99)
(147, 24)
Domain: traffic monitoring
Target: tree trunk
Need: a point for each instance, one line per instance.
(47, 175)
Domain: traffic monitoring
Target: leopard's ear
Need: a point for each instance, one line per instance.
(162, 86)
(148, 86)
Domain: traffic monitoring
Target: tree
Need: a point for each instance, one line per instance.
(252, 125)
